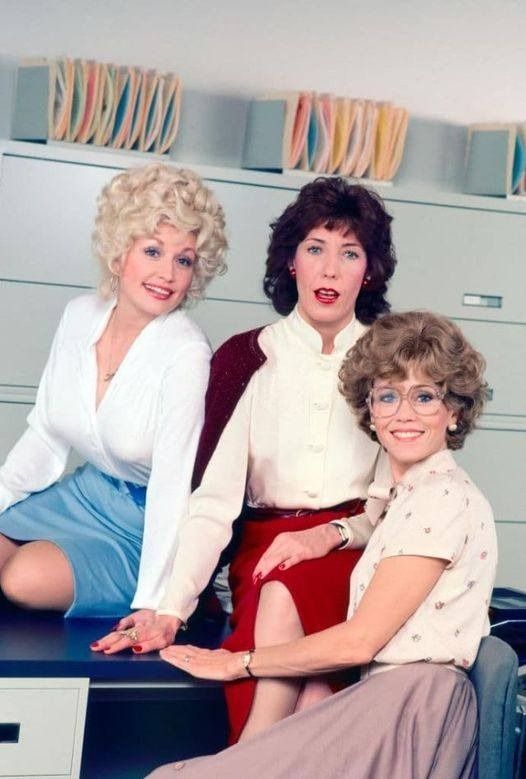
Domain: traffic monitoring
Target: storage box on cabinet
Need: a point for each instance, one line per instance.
(446, 254)
(43, 723)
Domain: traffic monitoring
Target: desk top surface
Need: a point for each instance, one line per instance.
(45, 644)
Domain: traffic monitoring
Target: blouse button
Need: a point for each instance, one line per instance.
(312, 494)
(316, 448)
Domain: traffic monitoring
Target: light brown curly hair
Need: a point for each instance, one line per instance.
(425, 341)
(136, 202)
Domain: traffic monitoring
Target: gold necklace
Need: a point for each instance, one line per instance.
(108, 376)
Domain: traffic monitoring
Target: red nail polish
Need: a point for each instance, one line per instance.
(94, 645)
(137, 649)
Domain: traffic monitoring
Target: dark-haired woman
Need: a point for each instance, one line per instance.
(280, 448)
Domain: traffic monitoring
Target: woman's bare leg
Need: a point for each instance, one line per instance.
(38, 576)
(7, 548)
(314, 691)
(277, 621)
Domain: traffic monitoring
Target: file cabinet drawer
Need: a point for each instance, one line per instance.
(220, 319)
(460, 262)
(31, 313)
(504, 348)
(12, 425)
(41, 727)
(47, 210)
(495, 461)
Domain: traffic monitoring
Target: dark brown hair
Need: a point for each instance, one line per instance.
(429, 342)
(333, 203)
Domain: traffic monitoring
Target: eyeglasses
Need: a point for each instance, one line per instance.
(424, 400)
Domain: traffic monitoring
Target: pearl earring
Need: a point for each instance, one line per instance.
(452, 427)
(372, 427)
(366, 281)
(292, 272)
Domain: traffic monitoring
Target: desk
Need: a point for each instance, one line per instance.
(48, 675)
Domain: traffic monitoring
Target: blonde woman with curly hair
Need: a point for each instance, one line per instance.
(419, 595)
(124, 386)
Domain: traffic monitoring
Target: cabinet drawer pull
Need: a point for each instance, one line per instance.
(485, 301)
(9, 732)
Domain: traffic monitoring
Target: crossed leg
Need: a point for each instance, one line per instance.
(35, 575)
(277, 621)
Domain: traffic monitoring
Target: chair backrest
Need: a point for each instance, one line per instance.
(494, 677)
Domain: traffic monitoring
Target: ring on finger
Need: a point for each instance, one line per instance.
(131, 633)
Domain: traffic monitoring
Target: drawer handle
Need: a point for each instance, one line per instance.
(485, 301)
(9, 732)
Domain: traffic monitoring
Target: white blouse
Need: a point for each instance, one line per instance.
(292, 442)
(145, 430)
(435, 511)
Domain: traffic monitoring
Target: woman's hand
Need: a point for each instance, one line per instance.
(143, 631)
(288, 549)
(217, 664)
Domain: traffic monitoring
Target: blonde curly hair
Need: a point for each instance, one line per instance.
(428, 342)
(135, 202)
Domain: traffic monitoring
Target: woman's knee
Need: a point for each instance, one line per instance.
(18, 580)
(37, 575)
(276, 596)
(277, 617)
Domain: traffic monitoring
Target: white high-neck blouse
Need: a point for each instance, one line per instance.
(292, 442)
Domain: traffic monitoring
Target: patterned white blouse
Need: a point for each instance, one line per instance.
(435, 511)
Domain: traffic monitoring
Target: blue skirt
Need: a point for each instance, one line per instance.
(97, 521)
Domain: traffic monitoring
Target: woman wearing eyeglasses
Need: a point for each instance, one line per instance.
(418, 596)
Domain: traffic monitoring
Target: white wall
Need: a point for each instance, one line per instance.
(458, 60)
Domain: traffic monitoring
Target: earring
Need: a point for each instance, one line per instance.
(366, 281)
(372, 427)
(292, 271)
(114, 283)
(452, 427)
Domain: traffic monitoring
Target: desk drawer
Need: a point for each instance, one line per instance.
(41, 727)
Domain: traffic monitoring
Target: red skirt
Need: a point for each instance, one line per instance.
(319, 588)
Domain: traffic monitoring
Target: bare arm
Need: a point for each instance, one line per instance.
(397, 589)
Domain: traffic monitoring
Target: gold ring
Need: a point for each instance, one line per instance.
(131, 633)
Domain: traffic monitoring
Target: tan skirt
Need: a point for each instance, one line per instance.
(414, 722)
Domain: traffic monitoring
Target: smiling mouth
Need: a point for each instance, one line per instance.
(326, 295)
(407, 435)
(161, 293)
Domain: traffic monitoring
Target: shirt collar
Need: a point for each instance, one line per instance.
(310, 336)
(379, 494)
(101, 320)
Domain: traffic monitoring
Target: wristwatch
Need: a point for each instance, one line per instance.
(343, 530)
(246, 659)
